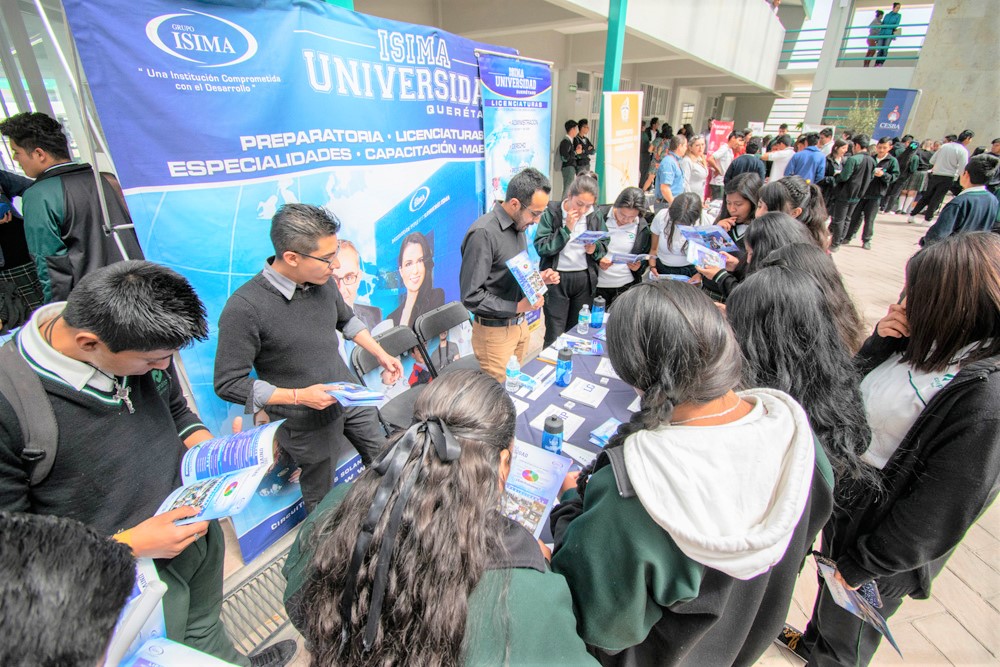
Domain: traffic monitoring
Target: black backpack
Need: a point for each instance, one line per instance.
(23, 389)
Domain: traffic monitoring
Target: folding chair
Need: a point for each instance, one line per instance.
(430, 326)
(397, 341)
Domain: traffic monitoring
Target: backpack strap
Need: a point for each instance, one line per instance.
(615, 457)
(23, 389)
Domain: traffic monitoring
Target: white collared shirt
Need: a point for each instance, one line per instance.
(76, 374)
(573, 256)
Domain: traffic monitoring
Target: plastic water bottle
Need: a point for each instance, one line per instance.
(583, 324)
(597, 315)
(552, 435)
(564, 367)
(513, 380)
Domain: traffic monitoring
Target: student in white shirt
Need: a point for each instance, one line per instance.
(720, 160)
(668, 248)
(779, 156)
(695, 167)
(629, 235)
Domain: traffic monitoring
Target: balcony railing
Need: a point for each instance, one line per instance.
(802, 48)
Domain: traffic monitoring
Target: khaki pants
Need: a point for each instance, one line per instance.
(494, 345)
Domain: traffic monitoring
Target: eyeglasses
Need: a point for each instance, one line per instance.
(348, 278)
(328, 260)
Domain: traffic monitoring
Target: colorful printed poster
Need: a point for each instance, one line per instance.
(622, 138)
(218, 113)
(718, 134)
(517, 118)
(533, 485)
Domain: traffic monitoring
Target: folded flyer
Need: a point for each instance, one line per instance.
(350, 394)
(602, 434)
(704, 258)
(713, 237)
(588, 237)
(628, 258)
(581, 346)
(862, 603)
(527, 276)
(533, 484)
(220, 476)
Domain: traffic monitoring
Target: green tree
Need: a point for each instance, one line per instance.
(862, 116)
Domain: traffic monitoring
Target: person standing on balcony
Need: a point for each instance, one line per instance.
(890, 28)
(874, 34)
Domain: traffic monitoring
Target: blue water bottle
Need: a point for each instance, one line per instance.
(552, 435)
(564, 367)
(597, 313)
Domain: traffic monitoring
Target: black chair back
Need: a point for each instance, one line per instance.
(432, 324)
(397, 341)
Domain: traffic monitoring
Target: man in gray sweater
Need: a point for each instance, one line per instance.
(283, 324)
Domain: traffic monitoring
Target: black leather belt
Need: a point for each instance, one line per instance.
(498, 322)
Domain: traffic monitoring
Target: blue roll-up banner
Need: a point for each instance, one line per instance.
(517, 118)
(896, 108)
(217, 114)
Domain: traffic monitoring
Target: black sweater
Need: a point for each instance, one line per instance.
(943, 476)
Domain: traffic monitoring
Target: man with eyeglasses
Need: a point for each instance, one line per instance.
(488, 288)
(348, 277)
(283, 324)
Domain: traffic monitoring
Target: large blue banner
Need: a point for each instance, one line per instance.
(217, 114)
(896, 109)
(517, 118)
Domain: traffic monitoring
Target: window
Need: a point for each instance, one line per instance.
(687, 113)
(583, 81)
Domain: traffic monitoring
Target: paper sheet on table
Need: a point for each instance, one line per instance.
(571, 422)
(606, 369)
(635, 405)
(579, 454)
(519, 405)
(588, 393)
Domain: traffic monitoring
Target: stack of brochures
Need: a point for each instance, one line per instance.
(590, 348)
(351, 395)
(600, 435)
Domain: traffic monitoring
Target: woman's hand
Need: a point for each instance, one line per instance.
(727, 223)
(731, 262)
(550, 276)
(590, 248)
(569, 482)
(709, 271)
(546, 552)
(634, 266)
(605, 264)
(894, 324)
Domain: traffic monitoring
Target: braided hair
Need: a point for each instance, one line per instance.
(668, 341)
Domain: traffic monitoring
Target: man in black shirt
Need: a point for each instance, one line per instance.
(568, 153)
(488, 288)
(583, 147)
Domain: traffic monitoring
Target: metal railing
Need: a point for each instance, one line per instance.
(802, 48)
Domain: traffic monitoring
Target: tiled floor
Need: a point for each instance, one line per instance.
(960, 624)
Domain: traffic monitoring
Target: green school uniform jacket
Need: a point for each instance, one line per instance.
(532, 624)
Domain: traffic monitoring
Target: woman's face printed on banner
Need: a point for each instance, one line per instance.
(412, 269)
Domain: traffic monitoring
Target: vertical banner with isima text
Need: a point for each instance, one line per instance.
(517, 118)
(621, 139)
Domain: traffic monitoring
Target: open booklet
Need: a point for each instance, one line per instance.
(863, 602)
(533, 485)
(220, 476)
(713, 237)
(527, 276)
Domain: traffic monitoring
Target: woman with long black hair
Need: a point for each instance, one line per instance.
(682, 543)
(931, 391)
(790, 342)
(414, 564)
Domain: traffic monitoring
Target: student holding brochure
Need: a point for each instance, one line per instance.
(558, 248)
(628, 235)
(104, 361)
(465, 584)
(683, 541)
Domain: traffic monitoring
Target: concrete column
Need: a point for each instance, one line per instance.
(840, 17)
(957, 72)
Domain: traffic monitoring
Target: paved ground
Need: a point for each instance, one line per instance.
(960, 624)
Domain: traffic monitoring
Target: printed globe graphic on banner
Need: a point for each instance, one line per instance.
(229, 489)
(530, 475)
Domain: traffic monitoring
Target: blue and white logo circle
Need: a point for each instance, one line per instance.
(202, 39)
(419, 198)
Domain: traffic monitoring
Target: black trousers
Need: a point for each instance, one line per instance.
(866, 208)
(890, 197)
(836, 637)
(937, 188)
(842, 212)
(563, 302)
(611, 293)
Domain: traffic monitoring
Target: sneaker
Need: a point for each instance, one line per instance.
(867, 245)
(910, 220)
(791, 639)
(275, 655)
(900, 212)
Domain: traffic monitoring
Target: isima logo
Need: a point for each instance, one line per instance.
(419, 198)
(202, 39)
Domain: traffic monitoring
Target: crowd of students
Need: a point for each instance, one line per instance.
(766, 417)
